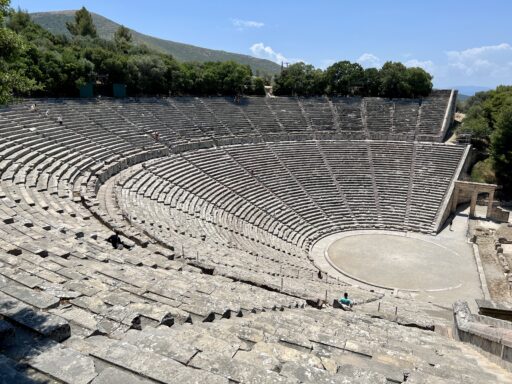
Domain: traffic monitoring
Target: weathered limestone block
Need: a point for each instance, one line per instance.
(155, 341)
(284, 354)
(118, 376)
(65, 364)
(236, 371)
(37, 299)
(154, 366)
(46, 324)
(462, 314)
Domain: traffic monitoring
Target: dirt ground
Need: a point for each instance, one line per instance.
(486, 238)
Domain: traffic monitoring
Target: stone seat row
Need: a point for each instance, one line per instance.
(181, 120)
(294, 346)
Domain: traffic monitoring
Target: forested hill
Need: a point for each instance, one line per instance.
(55, 22)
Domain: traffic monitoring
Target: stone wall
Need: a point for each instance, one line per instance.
(449, 115)
(488, 334)
(498, 214)
(445, 210)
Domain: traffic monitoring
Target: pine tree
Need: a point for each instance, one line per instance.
(83, 25)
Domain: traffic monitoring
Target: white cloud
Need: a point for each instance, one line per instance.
(488, 60)
(368, 60)
(427, 65)
(244, 24)
(326, 63)
(266, 52)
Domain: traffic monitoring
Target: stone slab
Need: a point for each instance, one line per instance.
(156, 341)
(154, 366)
(43, 323)
(65, 365)
(118, 376)
(37, 299)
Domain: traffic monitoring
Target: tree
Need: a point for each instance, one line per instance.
(13, 78)
(299, 79)
(483, 110)
(233, 78)
(344, 78)
(18, 21)
(258, 86)
(371, 82)
(123, 38)
(420, 81)
(394, 82)
(501, 149)
(83, 24)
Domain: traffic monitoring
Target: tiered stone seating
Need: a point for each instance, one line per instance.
(201, 117)
(379, 115)
(220, 241)
(405, 117)
(430, 182)
(270, 202)
(350, 113)
(319, 113)
(288, 113)
(295, 346)
(230, 114)
(432, 112)
(219, 285)
(257, 110)
(206, 121)
(142, 114)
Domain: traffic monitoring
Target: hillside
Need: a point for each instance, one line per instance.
(55, 22)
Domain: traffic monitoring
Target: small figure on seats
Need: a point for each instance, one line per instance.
(346, 303)
(33, 107)
(47, 113)
(116, 241)
(157, 135)
(59, 120)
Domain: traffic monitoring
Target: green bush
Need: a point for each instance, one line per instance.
(483, 172)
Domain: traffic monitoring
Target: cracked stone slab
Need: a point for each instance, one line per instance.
(237, 371)
(152, 365)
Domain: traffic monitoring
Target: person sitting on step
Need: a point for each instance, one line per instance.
(346, 302)
(116, 241)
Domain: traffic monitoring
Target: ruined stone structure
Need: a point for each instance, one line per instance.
(474, 189)
(221, 208)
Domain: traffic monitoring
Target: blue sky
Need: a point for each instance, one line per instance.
(461, 42)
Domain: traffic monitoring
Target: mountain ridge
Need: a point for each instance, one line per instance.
(55, 22)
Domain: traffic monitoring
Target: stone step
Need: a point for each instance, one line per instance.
(151, 365)
(40, 322)
(64, 364)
